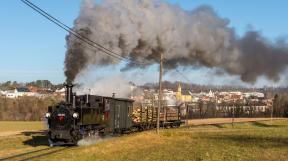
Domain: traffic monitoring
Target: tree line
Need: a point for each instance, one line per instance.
(10, 85)
(25, 108)
(211, 109)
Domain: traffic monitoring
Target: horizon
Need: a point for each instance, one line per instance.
(150, 84)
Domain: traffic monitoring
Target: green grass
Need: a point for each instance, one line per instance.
(10, 126)
(255, 141)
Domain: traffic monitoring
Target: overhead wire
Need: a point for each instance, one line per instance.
(85, 39)
(183, 75)
(71, 32)
(70, 29)
(180, 73)
(77, 35)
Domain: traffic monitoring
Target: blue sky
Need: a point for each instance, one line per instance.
(33, 48)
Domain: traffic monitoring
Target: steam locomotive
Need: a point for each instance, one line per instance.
(83, 115)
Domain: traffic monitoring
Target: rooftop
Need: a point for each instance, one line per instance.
(22, 89)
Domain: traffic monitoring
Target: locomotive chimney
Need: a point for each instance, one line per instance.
(69, 93)
(74, 100)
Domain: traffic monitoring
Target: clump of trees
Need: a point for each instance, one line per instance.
(25, 108)
(9, 85)
(280, 105)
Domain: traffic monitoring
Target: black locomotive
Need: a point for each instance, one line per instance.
(82, 115)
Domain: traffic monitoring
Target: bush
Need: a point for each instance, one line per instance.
(25, 108)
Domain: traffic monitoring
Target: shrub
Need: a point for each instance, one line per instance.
(25, 108)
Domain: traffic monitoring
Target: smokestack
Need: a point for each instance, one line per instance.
(69, 93)
(74, 100)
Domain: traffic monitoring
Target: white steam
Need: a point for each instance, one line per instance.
(90, 140)
(106, 87)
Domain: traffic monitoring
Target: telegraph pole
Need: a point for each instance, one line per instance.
(160, 92)
(233, 115)
(271, 116)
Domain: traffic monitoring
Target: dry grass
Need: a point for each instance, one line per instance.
(16, 136)
(246, 141)
(12, 126)
(255, 141)
(226, 120)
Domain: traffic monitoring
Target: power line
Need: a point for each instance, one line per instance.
(183, 75)
(85, 39)
(76, 34)
(82, 38)
(180, 73)
(70, 29)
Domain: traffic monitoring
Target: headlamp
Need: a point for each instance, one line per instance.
(75, 115)
(48, 114)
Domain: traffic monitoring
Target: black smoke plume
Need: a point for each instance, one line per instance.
(142, 29)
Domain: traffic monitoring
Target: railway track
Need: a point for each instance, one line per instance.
(36, 154)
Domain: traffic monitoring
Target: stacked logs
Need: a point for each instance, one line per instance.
(143, 114)
(148, 114)
(171, 114)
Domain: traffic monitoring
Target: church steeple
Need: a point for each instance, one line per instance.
(179, 89)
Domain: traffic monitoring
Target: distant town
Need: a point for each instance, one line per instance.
(39, 88)
(200, 101)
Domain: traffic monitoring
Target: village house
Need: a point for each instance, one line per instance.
(60, 92)
(2, 93)
(19, 92)
(169, 98)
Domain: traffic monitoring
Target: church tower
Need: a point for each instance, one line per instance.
(179, 89)
(179, 92)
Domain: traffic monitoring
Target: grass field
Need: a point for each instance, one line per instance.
(6, 126)
(245, 141)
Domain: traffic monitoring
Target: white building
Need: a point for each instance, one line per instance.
(210, 94)
(62, 90)
(2, 93)
(10, 94)
(254, 94)
(19, 92)
(169, 98)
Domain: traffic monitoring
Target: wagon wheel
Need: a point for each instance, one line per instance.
(140, 128)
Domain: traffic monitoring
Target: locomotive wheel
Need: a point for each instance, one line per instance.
(141, 128)
(75, 137)
(178, 125)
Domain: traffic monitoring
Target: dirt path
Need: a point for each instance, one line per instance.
(226, 120)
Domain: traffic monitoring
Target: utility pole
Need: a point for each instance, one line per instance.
(187, 114)
(160, 92)
(271, 117)
(233, 113)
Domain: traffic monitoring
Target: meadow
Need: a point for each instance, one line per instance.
(258, 141)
